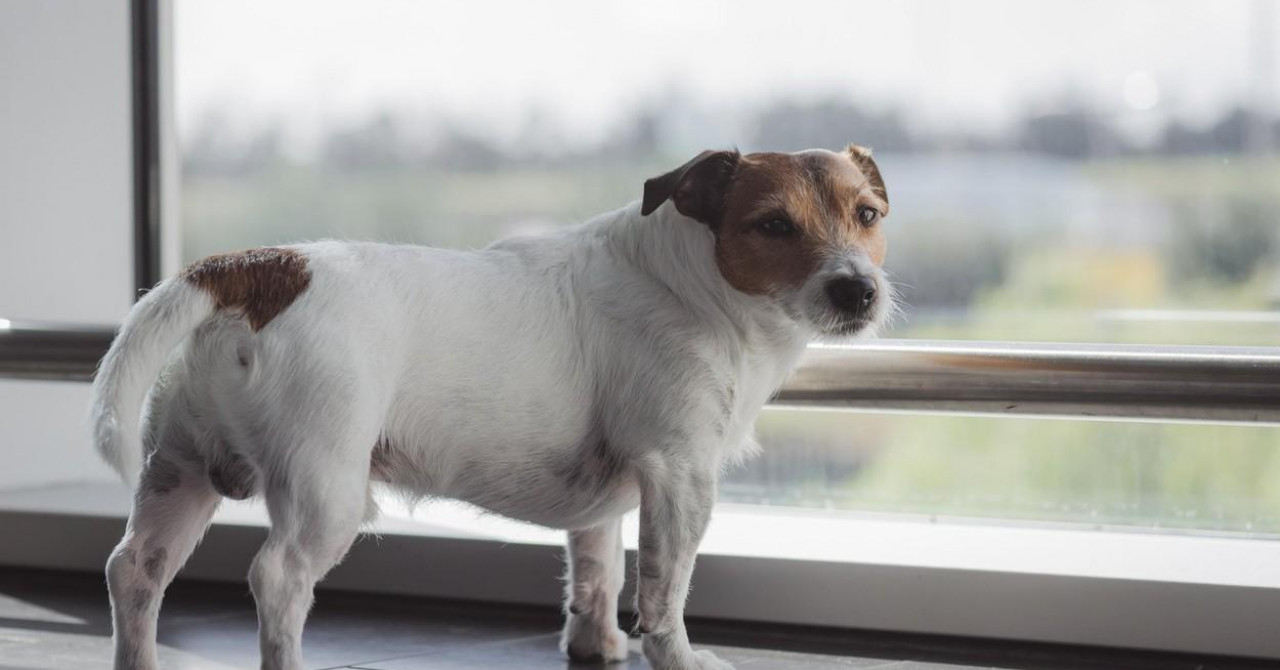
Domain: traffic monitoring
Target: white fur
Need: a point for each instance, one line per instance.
(161, 320)
(561, 379)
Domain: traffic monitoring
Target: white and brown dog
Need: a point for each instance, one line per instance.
(563, 379)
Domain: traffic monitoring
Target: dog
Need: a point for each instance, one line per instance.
(563, 379)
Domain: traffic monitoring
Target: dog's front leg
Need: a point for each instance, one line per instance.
(675, 506)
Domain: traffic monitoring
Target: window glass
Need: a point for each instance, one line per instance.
(1100, 474)
(1063, 170)
(1041, 190)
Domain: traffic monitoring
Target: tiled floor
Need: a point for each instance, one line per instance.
(59, 621)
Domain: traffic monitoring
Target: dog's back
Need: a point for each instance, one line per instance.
(471, 350)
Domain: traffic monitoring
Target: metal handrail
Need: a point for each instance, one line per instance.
(1169, 383)
(60, 352)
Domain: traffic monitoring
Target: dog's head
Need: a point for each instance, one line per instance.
(804, 229)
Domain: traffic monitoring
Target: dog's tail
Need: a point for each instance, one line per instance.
(161, 320)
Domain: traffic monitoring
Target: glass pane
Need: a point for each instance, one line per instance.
(1124, 192)
(1041, 191)
(1153, 476)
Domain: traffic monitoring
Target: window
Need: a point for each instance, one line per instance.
(1122, 193)
(1059, 171)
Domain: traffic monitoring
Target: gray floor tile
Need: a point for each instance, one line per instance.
(541, 653)
(60, 621)
(51, 622)
(919, 665)
(338, 638)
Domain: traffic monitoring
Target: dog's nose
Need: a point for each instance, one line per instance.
(852, 295)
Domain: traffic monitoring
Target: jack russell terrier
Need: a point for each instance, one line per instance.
(561, 379)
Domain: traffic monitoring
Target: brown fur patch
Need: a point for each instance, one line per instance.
(862, 157)
(260, 283)
(697, 188)
(820, 192)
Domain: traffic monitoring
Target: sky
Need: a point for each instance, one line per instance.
(586, 64)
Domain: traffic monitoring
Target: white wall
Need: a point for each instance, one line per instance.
(65, 209)
(65, 184)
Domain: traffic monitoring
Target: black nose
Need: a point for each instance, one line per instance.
(852, 295)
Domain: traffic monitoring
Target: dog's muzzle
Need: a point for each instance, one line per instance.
(854, 297)
(851, 304)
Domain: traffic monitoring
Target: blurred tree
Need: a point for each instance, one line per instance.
(1181, 139)
(831, 123)
(1232, 133)
(213, 146)
(948, 267)
(376, 144)
(458, 150)
(1225, 243)
(1075, 133)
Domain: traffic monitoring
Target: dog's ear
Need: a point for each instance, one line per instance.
(697, 188)
(862, 158)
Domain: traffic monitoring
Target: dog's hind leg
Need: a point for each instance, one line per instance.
(597, 569)
(316, 508)
(171, 509)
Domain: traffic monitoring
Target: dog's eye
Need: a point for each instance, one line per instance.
(777, 227)
(867, 215)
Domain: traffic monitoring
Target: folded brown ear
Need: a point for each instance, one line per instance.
(697, 188)
(862, 158)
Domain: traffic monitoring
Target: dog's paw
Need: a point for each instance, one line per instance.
(665, 653)
(585, 640)
(705, 660)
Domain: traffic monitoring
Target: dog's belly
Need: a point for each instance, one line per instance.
(536, 458)
(569, 509)
(562, 488)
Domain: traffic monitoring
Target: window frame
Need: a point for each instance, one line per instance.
(1123, 607)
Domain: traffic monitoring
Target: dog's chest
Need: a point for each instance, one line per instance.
(754, 383)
